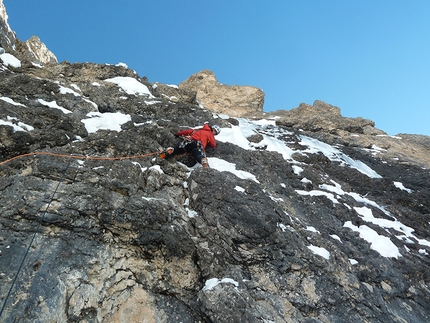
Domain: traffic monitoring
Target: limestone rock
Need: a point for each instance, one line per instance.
(31, 51)
(232, 100)
(145, 239)
(266, 237)
(324, 117)
(174, 93)
(38, 51)
(7, 35)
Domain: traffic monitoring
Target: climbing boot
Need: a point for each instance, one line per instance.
(205, 163)
(166, 153)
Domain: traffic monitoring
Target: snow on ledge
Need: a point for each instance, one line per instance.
(222, 165)
(400, 186)
(53, 105)
(320, 251)
(105, 121)
(10, 101)
(10, 60)
(130, 85)
(383, 245)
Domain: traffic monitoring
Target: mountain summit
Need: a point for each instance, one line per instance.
(302, 216)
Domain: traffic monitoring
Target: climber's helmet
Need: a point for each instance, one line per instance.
(216, 129)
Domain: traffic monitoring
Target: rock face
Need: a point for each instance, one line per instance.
(235, 101)
(325, 118)
(7, 36)
(31, 51)
(287, 225)
(38, 51)
(326, 123)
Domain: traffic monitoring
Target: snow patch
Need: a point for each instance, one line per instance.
(130, 85)
(17, 126)
(334, 154)
(239, 189)
(224, 166)
(105, 121)
(53, 105)
(383, 245)
(10, 60)
(400, 186)
(66, 90)
(320, 251)
(9, 100)
(213, 282)
(318, 193)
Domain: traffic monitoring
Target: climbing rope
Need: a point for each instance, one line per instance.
(76, 156)
(32, 239)
(52, 198)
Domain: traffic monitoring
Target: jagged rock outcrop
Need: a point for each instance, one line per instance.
(31, 51)
(38, 51)
(323, 117)
(7, 36)
(327, 124)
(174, 93)
(232, 100)
(287, 225)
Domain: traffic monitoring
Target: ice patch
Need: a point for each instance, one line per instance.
(191, 213)
(353, 261)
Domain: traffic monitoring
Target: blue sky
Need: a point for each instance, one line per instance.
(371, 58)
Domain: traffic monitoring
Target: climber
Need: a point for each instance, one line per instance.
(194, 142)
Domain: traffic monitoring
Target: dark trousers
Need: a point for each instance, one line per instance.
(192, 147)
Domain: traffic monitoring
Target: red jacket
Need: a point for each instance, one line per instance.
(204, 135)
